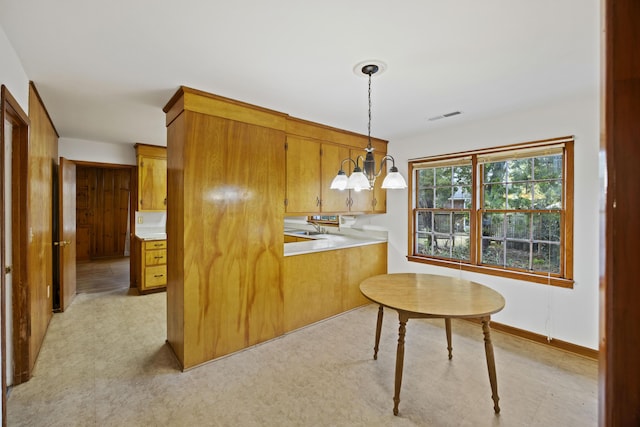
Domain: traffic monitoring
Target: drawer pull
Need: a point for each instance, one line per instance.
(157, 244)
(158, 275)
(158, 257)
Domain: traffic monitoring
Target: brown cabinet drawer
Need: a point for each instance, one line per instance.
(155, 257)
(155, 276)
(155, 244)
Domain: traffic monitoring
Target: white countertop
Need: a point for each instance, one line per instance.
(326, 242)
(151, 235)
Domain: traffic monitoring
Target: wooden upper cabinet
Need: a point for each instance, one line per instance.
(333, 201)
(379, 195)
(303, 175)
(152, 177)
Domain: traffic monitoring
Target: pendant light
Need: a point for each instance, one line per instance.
(363, 178)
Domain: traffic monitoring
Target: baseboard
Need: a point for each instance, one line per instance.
(541, 339)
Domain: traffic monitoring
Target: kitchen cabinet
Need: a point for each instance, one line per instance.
(312, 294)
(313, 157)
(152, 177)
(302, 175)
(153, 265)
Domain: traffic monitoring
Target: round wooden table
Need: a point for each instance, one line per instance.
(416, 296)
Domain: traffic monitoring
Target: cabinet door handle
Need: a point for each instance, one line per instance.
(318, 201)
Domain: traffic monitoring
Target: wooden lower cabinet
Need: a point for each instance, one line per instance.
(322, 284)
(153, 266)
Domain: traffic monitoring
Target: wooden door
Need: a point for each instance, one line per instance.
(67, 229)
(302, 176)
(333, 201)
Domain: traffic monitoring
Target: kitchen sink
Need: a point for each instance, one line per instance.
(307, 233)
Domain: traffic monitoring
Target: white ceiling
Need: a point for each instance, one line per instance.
(105, 69)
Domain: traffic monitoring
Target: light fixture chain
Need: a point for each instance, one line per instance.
(369, 125)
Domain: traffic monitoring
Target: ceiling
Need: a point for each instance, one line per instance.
(105, 69)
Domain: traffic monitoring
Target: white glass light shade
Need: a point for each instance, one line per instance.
(358, 181)
(394, 181)
(339, 182)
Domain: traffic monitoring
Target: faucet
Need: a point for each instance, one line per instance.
(318, 227)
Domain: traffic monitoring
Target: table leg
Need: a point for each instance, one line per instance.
(447, 326)
(378, 330)
(491, 364)
(399, 359)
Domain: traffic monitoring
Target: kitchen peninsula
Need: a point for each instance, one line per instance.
(229, 283)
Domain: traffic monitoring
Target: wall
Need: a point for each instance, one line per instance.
(94, 151)
(566, 314)
(13, 76)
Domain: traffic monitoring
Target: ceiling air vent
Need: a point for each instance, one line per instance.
(442, 116)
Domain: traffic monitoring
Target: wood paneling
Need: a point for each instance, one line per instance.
(619, 393)
(224, 234)
(42, 155)
(102, 211)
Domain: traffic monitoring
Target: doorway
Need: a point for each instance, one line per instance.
(103, 225)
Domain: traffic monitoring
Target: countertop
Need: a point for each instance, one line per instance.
(326, 242)
(149, 235)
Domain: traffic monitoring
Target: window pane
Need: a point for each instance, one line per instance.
(547, 195)
(546, 227)
(519, 170)
(546, 257)
(442, 246)
(443, 197)
(492, 252)
(460, 249)
(495, 196)
(519, 195)
(425, 198)
(442, 223)
(517, 255)
(493, 225)
(549, 167)
(423, 221)
(443, 176)
(423, 244)
(518, 226)
(425, 178)
(462, 175)
(461, 223)
(495, 172)
(461, 197)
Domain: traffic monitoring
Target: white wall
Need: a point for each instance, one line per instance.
(94, 151)
(13, 76)
(567, 314)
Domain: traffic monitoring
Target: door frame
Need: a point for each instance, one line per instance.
(11, 111)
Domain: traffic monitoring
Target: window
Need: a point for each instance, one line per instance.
(505, 211)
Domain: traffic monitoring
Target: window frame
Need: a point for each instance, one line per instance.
(565, 276)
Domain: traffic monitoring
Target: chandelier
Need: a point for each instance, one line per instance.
(363, 178)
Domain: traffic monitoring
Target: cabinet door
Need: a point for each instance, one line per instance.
(379, 199)
(303, 176)
(152, 184)
(333, 201)
(360, 200)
